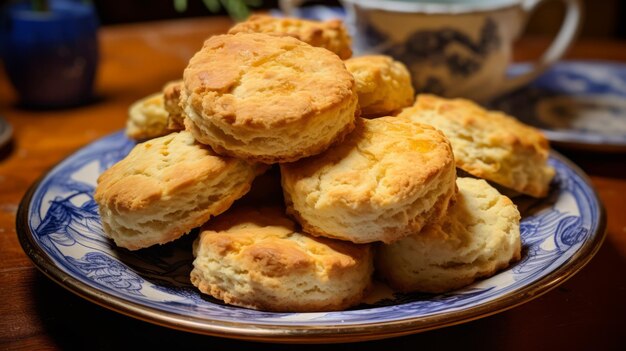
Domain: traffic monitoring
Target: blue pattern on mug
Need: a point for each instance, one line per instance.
(440, 48)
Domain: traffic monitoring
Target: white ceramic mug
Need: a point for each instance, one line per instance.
(454, 48)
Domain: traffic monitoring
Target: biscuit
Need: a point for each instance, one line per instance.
(385, 181)
(383, 84)
(165, 187)
(479, 236)
(257, 258)
(171, 102)
(489, 144)
(331, 35)
(147, 118)
(267, 98)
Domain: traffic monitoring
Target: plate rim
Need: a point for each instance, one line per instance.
(296, 333)
(568, 139)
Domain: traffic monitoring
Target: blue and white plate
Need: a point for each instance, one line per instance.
(59, 228)
(578, 104)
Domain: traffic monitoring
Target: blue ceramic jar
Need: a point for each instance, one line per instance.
(50, 57)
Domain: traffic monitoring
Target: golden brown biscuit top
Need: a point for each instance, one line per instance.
(500, 128)
(157, 168)
(263, 81)
(372, 70)
(383, 161)
(265, 239)
(331, 34)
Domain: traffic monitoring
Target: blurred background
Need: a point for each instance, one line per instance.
(21, 58)
(603, 18)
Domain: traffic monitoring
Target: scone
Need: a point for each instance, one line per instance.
(165, 187)
(267, 98)
(331, 35)
(489, 144)
(171, 102)
(385, 181)
(479, 236)
(147, 118)
(257, 258)
(382, 83)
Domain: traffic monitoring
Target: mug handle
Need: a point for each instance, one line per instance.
(560, 44)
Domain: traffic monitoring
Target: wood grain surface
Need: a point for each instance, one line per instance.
(588, 312)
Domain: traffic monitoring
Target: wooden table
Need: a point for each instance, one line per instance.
(587, 312)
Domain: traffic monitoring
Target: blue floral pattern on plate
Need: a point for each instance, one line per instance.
(64, 224)
(577, 103)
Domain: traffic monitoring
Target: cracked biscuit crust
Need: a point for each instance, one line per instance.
(384, 182)
(489, 144)
(267, 98)
(479, 236)
(165, 187)
(257, 258)
(331, 35)
(383, 85)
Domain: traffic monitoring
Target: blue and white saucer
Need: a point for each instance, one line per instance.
(59, 228)
(579, 104)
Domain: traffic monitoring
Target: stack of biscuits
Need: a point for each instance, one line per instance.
(365, 172)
